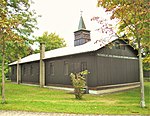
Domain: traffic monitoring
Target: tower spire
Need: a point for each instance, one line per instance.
(81, 23)
(82, 35)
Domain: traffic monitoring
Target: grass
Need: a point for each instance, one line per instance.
(36, 99)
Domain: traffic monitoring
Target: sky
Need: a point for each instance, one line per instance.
(62, 17)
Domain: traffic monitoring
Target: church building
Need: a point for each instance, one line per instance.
(108, 66)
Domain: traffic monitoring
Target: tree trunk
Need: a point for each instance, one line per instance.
(18, 71)
(142, 102)
(3, 75)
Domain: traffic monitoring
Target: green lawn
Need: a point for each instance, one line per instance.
(27, 98)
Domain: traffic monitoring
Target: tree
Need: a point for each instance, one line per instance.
(52, 41)
(13, 52)
(17, 22)
(133, 18)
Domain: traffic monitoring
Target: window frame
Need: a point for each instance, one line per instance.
(24, 69)
(122, 47)
(52, 68)
(83, 65)
(31, 70)
(12, 70)
(66, 68)
(117, 45)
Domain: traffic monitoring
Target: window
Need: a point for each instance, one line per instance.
(82, 41)
(72, 67)
(79, 41)
(31, 70)
(83, 66)
(52, 68)
(117, 45)
(76, 66)
(123, 47)
(66, 68)
(12, 70)
(24, 70)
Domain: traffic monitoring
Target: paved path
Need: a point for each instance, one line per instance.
(23, 113)
(112, 89)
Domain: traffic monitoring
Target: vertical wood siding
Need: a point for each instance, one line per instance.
(13, 75)
(104, 70)
(128, 51)
(113, 70)
(30, 72)
(117, 71)
(74, 65)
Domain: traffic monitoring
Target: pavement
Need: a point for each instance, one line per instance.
(104, 91)
(23, 113)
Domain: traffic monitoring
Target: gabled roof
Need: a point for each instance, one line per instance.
(88, 47)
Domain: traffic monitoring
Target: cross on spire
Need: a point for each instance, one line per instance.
(81, 12)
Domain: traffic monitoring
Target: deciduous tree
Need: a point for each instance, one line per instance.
(17, 22)
(134, 21)
(52, 41)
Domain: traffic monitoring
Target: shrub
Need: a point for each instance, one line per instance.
(79, 83)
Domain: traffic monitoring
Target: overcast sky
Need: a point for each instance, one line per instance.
(62, 17)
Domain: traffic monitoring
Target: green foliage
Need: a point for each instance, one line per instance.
(17, 22)
(13, 52)
(133, 18)
(79, 83)
(134, 22)
(146, 62)
(52, 41)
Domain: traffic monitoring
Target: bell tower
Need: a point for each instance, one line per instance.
(82, 35)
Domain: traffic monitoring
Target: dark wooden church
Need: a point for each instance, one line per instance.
(115, 65)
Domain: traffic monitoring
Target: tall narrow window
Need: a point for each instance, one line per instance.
(122, 47)
(52, 68)
(31, 70)
(72, 67)
(24, 70)
(66, 68)
(12, 70)
(76, 66)
(83, 66)
(117, 45)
